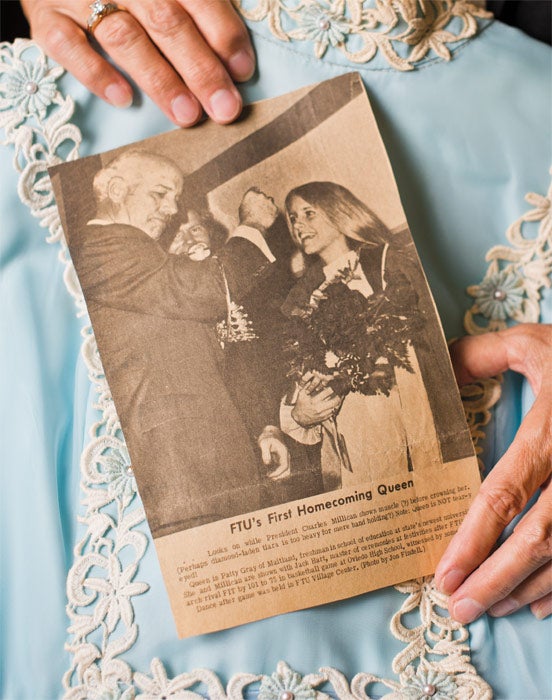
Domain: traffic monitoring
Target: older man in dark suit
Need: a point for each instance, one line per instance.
(154, 317)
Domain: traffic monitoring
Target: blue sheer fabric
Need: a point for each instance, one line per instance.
(467, 139)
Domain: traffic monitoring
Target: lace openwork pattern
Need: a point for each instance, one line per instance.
(102, 582)
(403, 32)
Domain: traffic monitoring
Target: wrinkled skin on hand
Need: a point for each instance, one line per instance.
(478, 577)
(184, 54)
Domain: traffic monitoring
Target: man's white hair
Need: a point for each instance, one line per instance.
(129, 166)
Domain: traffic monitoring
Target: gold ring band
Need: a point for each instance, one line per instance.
(101, 10)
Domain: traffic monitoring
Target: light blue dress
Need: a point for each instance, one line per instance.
(84, 610)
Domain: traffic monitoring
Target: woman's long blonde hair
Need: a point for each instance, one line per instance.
(343, 209)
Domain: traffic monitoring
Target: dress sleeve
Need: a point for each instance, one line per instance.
(288, 425)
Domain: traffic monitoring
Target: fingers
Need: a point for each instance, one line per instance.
(170, 58)
(280, 457)
(517, 573)
(329, 408)
(542, 607)
(225, 33)
(326, 398)
(534, 590)
(314, 382)
(122, 36)
(503, 495)
(67, 43)
(282, 472)
(275, 453)
(317, 386)
(266, 454)
(282, 454)
(183, 53)
(313, 385)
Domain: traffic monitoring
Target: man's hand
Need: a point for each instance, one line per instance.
(274, 453)
(182, 53)
(316, 401)
(519, 572)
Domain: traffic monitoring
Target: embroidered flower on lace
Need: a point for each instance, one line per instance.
(117, 589)
(428, 683)
(285, 684)
(421, 683)
(27, 88)
(159, 686)
(321, 24)
(517, 274)
(122, 483)
(500, 295)
(404, 32)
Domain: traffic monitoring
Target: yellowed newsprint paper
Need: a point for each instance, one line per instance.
(274, 355)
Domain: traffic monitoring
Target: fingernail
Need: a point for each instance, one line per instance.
(119, 95)
(242, 65)
(467, 610)
(503, 607)
(451, 580)
(540, 611)
(185, 109)
(225, 105)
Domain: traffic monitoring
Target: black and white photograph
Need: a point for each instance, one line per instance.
(263, 320)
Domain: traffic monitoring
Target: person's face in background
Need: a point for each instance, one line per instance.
(313, 232)
(151, 199)
(192, 239)
(262, 211)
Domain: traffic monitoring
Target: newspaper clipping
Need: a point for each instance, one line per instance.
(274, 354)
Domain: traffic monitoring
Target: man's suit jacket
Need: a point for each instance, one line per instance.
(154, 317)
(256, 374)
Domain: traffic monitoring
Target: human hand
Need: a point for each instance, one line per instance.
(316, 401)
(182, 53)
(274, 453)
(313, 382)
(519, 572)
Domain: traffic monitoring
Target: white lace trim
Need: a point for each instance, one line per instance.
(36, 121)
(509, 292)
(35, 118)
(404, 32)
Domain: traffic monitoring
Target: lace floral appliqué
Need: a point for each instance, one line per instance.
(510, 292)
(36, 118)
(404, 32)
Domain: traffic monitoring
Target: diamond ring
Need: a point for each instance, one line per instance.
(99, 11)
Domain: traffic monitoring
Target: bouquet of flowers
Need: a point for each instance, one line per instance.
(358, 341)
